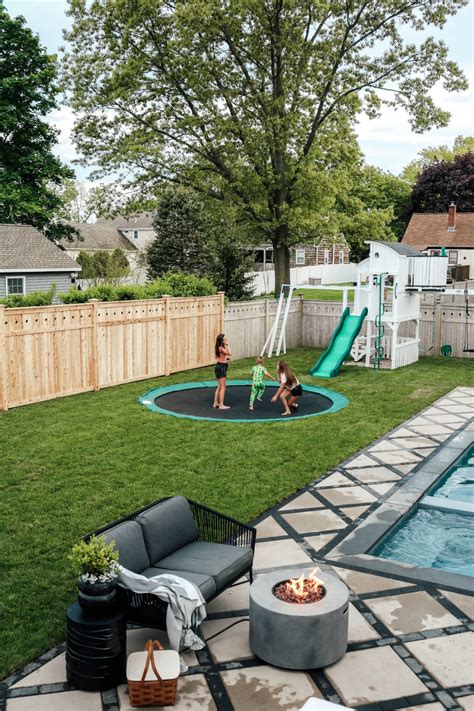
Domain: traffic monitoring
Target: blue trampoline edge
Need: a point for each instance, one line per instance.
(338, 400)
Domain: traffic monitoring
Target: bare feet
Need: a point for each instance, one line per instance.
(284, 414)
(224, 407)
(216, 404)
(250, 407)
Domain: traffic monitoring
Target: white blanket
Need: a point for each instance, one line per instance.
(186, 606)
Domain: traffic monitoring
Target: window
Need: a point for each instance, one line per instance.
(15, 285)
(326, 256)
(300, 257)
(341, 257)
(135, 234)
(452, 256)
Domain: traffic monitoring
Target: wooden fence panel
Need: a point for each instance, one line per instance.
(46, 350)
(51, 351)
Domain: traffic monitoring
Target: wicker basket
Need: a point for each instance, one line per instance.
(155, 686)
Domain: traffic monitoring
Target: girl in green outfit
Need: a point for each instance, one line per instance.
(258, 388)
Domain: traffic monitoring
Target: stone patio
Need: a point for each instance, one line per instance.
(410, 643)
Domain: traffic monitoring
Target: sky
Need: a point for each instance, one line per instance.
(387, 142)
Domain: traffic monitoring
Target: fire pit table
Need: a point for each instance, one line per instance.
(298, 623)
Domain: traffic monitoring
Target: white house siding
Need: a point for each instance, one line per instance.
(142, 240)
(38, 281)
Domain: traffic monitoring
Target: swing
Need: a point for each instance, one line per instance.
(466, 348)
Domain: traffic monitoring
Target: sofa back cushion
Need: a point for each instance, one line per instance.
(167, 527)
(129, 542)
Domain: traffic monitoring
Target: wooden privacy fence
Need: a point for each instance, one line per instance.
(312, 323)
(52, 351)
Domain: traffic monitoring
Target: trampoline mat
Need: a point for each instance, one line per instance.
(197, 402)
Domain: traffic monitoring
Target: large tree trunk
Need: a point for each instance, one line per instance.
(282, 257)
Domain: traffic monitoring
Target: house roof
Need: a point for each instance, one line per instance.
(139, 221)
(431, 230)
(100, 235)
(403, 249)
(23, 247)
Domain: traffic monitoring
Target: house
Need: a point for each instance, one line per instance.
(430, 232)
(131, 235)
(137, 229)
(29, 261)
(325, 251)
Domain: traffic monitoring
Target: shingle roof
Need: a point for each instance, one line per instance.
(23, 247)
(431, 230)
(101, 235)
(402, 249)
(139, 221)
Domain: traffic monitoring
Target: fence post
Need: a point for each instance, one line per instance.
(94, 345)
(221, 315)
(166, 303)
(301, 315)
(437, 325)
(3, 363)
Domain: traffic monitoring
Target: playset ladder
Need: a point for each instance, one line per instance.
(277, 336)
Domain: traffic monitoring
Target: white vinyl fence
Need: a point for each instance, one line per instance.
(264, 282)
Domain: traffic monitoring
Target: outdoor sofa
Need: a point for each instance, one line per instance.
(180, 537)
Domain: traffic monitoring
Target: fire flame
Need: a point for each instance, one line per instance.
(298, 588)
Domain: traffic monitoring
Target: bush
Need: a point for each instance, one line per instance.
(96, 560)
(171, 284)
(36, 298)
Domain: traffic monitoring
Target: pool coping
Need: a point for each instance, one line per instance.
(338, 400)
(354, 549)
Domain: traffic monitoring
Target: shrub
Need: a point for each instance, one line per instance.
(171, 284)
(95, 561)
(36, 298)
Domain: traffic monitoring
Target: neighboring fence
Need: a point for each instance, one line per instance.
(311, 323)
(264, 282)
(51, 351)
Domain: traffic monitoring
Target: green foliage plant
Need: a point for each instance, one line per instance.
(29, 169)
(35, 298)
(95, 560)
(103, 267)
(249, 102)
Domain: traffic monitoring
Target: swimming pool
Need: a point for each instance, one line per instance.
(439, 532)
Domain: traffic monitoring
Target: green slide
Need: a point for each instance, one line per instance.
(340, 345)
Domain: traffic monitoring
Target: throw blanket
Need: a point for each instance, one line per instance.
(186, 606)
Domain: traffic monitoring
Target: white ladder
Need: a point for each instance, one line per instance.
(278, 330)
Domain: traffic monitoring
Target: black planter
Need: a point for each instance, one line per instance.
(97, 598)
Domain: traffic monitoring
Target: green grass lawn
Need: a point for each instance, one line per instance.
(71, 465)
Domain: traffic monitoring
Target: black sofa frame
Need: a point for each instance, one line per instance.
(213, 527)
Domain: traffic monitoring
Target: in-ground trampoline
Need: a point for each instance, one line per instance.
(194, 401)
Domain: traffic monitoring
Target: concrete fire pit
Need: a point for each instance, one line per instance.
(298, 635)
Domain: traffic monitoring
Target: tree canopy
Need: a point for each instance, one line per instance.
(28, 167)
(443, 182)
(248, 101)
(462, 144)
(102, 266)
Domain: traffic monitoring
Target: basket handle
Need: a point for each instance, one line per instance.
(150, 648)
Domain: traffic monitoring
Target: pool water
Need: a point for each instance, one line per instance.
(432, 538)
(458, 482)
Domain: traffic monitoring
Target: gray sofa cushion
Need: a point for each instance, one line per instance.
(129, 542)
(220, 560)
(167, 527)
(205, 583)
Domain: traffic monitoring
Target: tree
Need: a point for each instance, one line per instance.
(246, 100)
(79, 201)
(230, 266)
(443, 182)
(102, 267)
(462, 144)
(28, 167)
(380, 190)
(181, 243)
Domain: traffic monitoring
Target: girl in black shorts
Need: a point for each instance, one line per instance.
(290, 388)
(223, 354)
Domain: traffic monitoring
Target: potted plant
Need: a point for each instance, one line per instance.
(96, 562)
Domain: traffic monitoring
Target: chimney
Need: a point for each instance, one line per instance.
(452, 217)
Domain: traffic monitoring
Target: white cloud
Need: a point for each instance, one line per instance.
(389, 142)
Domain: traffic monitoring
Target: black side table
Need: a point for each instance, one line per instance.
(96, 651)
